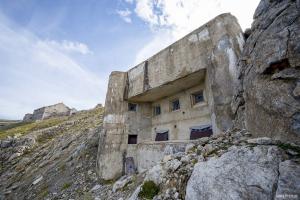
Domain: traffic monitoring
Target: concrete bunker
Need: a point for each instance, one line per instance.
(178, 95)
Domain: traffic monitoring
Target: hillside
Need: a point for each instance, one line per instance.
(56, 159)
(6, 123)
(51, 157)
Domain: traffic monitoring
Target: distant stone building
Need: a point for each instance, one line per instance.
(47, 112)
(28, 117)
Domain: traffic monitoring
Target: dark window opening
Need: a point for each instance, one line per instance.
(164, 136)
(156, 110)
(199, 132)
(175, 105)
(197, 97)
(132, 139)
(132, 106)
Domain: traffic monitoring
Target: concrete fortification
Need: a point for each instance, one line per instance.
(205, 84)
(183, 92)
(214, 116)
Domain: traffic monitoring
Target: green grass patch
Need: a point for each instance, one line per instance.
(215, 151)
(194, 161)
(126, 186)
(44, 191)
(45, 138)
(66, 186)
(84, 120)
(87, 196)
(108, 182)
(289, 147)
(149, 190)
(62, 167)
(13, 125)
(23, 128)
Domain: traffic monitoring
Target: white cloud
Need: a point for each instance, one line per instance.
(145, 9)
(172, 19)
(35, 73)
(125, 15)
(69, 46)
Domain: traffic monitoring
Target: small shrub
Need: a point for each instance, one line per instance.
(291, 147)
(44, 191)
(194, 161)
(194, 149)
(108, 182)
(66, 186)
(79, 191)
(149, 190)
(87, 196)
(62, 167)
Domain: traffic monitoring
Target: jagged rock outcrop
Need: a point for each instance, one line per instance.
(289, 180)
(241, 173)
(268, 101)
(228, 166)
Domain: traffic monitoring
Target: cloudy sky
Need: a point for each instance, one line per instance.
(64, 50)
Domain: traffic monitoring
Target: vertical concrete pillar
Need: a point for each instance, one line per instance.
(227, 42)
(112, 140)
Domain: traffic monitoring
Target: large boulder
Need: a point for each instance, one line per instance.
(241, 173)
(268, 101)
(156, 174)
(289, 180)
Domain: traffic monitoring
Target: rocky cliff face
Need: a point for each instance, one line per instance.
(268, 101)
(244, 172)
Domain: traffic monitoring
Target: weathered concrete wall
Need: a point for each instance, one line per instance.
(136, 77)
(205, 59)
(179, 122)
(113, 141)
(226, 45)
(151, 153)
(216, 47)
(180, 59)
(139, 122)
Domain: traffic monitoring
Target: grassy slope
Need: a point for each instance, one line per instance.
(65, 137)
(22, 128)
